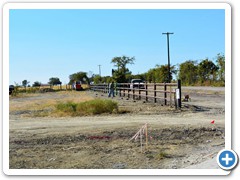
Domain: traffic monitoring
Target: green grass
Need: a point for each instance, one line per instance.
(162, 155)
(92, 107)
(68, 107)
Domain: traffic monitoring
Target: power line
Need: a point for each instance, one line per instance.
(169, 73)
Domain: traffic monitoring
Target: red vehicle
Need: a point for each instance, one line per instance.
(78, 86)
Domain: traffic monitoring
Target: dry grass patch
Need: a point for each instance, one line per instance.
(44, 104)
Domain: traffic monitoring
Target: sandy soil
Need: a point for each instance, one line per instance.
(176, 138)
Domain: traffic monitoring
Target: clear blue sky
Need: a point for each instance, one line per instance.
(57, 43)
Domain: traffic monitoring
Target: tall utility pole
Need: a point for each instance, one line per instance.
(169, 73)
(99, 70)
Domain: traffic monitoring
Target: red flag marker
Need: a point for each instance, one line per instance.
(212, 122)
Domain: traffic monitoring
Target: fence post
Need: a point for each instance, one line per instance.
(139, 91)
(155, 92)
(175, 100)
(146, 92)
(120, 89)
(165, 94)
(170, 95)
(180, 93)
(115, 89)
(133, 94)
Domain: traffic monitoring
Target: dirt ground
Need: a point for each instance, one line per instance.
(176, 138)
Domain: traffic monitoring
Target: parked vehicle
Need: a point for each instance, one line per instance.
(78, 86)
(11, 89)
(137, 84)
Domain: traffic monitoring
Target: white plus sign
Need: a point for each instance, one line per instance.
(227, 159)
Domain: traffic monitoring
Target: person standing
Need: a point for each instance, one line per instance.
(111, 89)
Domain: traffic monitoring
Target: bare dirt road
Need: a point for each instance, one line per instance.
(176, 138)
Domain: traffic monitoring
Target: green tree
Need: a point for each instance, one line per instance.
(221, 68)
(138, 76)
(54, 81)
(79, 76)
(97, 79)
(122, 73)
(25, 83)
(150, 75)
(207, 71)
(188, 72)
(162, 73)
(159, 74)
(36, 84)
(107, 79)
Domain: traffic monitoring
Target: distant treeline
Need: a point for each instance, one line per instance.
(191, 72)
(205, 72)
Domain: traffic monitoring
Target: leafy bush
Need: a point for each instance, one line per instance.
(96, 106)
(68, 107)
(15, 92)
(92, 107)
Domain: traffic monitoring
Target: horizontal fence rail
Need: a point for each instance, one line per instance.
(164, 93)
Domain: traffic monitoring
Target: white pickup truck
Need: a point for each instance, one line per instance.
(137, 84)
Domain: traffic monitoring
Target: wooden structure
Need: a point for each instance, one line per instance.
(164, 93)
